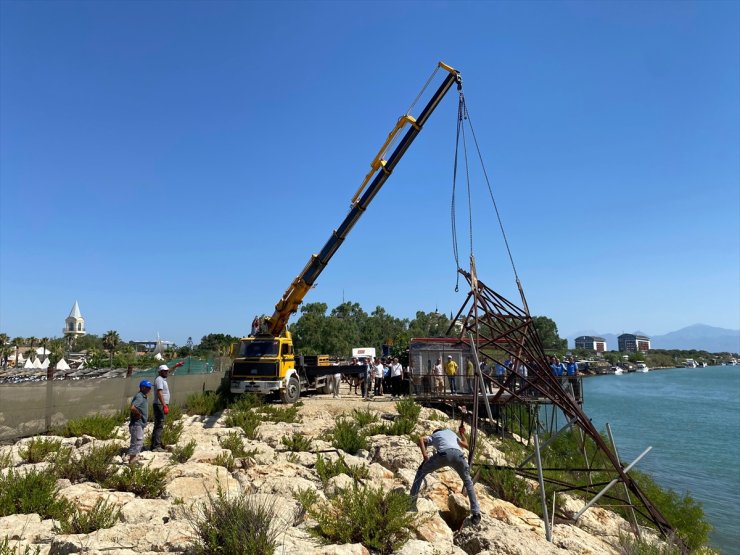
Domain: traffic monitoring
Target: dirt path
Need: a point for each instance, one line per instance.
(313, 404)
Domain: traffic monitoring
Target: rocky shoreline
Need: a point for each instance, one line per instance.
(165, 524)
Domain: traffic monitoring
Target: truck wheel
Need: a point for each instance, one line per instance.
(329, 387)
(292, 391)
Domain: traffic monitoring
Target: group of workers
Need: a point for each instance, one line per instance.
(381, 376)
(139, 410)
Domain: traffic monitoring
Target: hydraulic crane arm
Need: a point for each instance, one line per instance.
(381, 169)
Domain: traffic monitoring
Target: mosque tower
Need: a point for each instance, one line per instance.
(74, 325)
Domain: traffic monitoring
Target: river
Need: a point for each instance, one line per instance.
(691, 418)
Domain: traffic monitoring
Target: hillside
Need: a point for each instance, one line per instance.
(268, 471)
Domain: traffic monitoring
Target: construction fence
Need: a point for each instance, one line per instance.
(32, 408)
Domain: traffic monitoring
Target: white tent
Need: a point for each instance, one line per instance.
(81, 366)
(45, 364)
(41, 351)
(62, 364)
(36, 363)
(20, 358)
(28, 364)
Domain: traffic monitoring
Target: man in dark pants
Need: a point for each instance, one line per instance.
(161, 404)
(448, 452)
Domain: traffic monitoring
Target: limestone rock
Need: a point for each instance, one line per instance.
(495, 536)
(419, 547)
(191, 480)
(26, 527)
(149, 511)
(84, 496)
(395, 452)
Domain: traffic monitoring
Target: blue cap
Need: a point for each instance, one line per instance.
(145, 383)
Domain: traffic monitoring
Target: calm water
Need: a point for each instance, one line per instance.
(691, 417)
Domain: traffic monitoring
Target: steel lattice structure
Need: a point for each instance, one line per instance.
(498, 325)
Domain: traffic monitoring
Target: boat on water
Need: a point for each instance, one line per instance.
(689, 363)
(731, 362)
(618, 371)
(642, 368)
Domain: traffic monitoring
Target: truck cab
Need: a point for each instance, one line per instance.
(264, 364)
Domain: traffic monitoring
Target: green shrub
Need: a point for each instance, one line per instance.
(346, 435)
(246, 402)
(205, 404)
(634, 546)
(508, 486)
(436, 417)
(96, 425)
(93, 466)
(243, 525)
(142, 481)
(31, 492)
(685, 514)
(399, 427)
(226, 460)
(377, 519)
(296, 442)
(102, 515)
(183, 454)
(246, 419)
(234, 443)
(364, 417)
(327, 469)
(7, 549)
(408, 409)
(6, 460)
(306, 498)
(287, 414)
(36, 450)
(171, 433)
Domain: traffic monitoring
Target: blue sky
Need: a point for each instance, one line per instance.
(172, 165)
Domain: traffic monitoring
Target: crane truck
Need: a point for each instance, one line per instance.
(265, 362)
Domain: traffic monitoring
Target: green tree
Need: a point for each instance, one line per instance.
(218, 343)
(111, 339)
(547, 330)
(308, 330)
(31, 342)
(44, 343)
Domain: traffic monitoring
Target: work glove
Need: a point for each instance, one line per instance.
(166, 409)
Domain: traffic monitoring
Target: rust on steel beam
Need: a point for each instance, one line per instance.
(498, 324)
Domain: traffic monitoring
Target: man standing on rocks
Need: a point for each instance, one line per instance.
(161, 404)
(139, 415)
(448, 452)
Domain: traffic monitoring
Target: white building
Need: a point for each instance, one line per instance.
(74, 325)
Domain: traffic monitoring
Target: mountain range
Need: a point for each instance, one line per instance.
(697, 336)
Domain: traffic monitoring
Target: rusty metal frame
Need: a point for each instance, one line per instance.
(497, 323)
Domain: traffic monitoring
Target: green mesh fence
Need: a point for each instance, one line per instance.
(192, 366)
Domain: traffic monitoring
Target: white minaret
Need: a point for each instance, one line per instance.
(74, 325)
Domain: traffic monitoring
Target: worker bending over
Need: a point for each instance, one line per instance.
(448, 452)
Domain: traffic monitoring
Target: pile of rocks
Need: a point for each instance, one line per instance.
(165, 525)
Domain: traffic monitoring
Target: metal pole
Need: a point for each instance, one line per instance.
(541, 478)
(480, 381)
(626, 489)
(610, 484)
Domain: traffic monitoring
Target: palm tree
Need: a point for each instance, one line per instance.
(44, 343)
(111, 339)
(32, 343)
